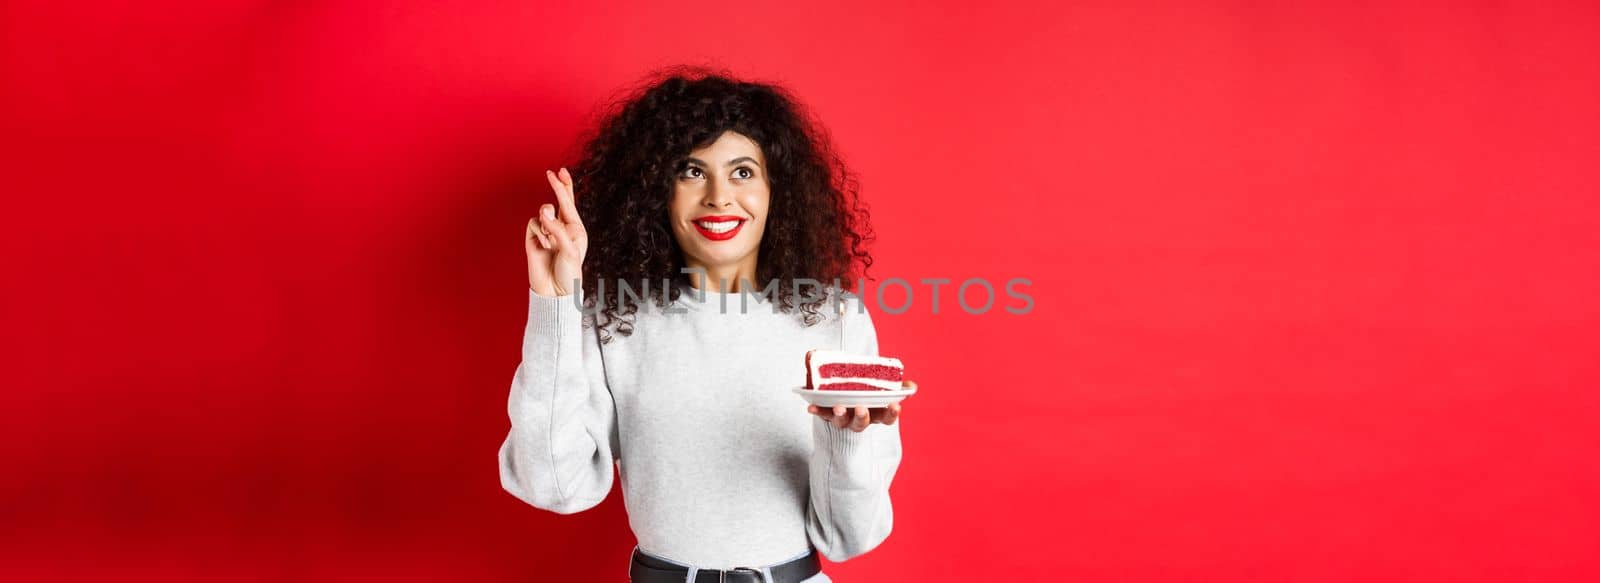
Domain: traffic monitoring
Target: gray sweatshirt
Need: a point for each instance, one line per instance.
(721, 465)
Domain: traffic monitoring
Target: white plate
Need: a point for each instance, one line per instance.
(853, 398)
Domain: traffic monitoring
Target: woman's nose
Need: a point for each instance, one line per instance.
(718, 196)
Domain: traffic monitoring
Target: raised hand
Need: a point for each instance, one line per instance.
(556, 242)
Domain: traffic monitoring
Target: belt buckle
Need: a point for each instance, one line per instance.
(722, 576)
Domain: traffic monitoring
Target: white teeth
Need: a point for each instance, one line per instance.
(719, 226)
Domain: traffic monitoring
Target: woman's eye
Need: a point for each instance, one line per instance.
(747, 171)
(691, 172)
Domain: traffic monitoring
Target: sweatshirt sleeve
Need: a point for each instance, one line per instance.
(563, 440)
(849, 511)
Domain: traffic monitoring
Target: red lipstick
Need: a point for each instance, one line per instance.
(716, 219)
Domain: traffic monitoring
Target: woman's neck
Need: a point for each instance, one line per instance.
(734, 276)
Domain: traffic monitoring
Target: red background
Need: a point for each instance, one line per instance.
(1315, 287)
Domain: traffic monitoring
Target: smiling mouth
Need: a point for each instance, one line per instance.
(718, 228)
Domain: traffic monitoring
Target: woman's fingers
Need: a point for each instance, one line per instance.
(560, 188)
(558, 231)
(540, 260)
(562, 184)
(536, 234)
(857, 418)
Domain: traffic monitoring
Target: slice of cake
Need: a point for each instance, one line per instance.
(837, 370)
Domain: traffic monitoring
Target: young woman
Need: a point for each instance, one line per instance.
(698, 193)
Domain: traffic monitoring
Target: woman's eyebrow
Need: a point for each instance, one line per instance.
(730, 162)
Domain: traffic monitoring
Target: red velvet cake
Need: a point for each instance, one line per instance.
(836, 370)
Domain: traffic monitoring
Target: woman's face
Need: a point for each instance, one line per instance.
(719, 205)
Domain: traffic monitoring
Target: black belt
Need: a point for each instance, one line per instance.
(648, 569)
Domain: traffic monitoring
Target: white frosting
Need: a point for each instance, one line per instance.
(822, 357)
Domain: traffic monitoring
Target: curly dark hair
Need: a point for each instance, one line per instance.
(817, 225)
